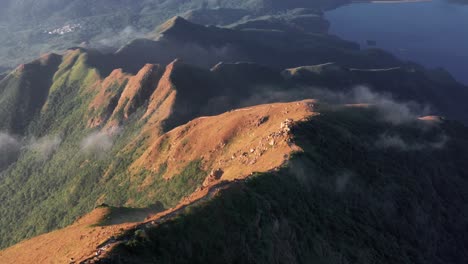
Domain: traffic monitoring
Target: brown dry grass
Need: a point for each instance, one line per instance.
(162, 99)
(76, 242)
(238, 142)
(133, 89)
(105, 95)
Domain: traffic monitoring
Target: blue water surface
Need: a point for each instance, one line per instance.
(433, 33)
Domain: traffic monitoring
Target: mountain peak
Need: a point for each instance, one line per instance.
(175, 63)
(175, 23)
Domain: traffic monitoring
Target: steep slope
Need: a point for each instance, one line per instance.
(406, 82)
(340, 196)
(185, 89)
(90, 129)
(136, 92)
(108, 97)
(29, 27)
(96, 133)
(347, 198)
(75, 242)
(77, 129)
(223, 151)
(206, 46)
(66, 132)
(24, 91)
(237, 143)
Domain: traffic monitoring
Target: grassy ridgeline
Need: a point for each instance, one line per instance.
(57, 179)
(342, 201)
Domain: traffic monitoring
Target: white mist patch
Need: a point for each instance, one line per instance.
(100, 142)
(266, 95)
(342, 181)
(206, 56)
(304, 175)
(10, 148)
(8, 142)
(45, 146)
(390, 109)
(387, 141)
(117, 39)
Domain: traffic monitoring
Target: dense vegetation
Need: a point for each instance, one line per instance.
(24, 25)
(346, 191)
(344, 200)
(58, 177)
(64, 168)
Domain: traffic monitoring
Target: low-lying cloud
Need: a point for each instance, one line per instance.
(100, 142)
(114, 40)
(387, 141)
(10, 148)
(204, 56)
(389, 109)
(342, 181)
(45, 146)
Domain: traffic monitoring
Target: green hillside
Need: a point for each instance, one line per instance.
(76, 125)
(344, 200)
(59, 173)
(374, 181)
(29, 28)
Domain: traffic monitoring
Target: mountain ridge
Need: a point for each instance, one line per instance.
(267, 157)
(155, 126)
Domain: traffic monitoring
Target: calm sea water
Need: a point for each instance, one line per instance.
(434, 34)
